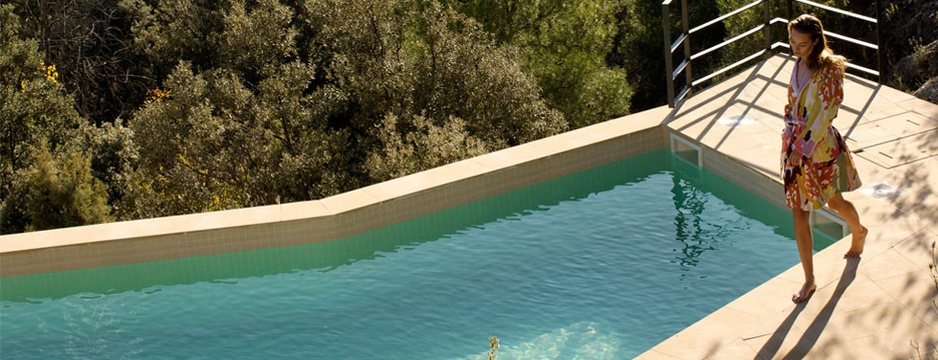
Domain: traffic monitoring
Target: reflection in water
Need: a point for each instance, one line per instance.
(689, 203)
(691, 191)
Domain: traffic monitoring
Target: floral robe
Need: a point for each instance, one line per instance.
(827, 167)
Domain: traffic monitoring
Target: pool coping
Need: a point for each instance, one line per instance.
(879, 306)
(360, 210)
(334, 217)
(759, 324)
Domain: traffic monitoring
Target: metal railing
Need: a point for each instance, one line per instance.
(684, 41)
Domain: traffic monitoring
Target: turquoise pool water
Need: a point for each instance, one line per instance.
(602, 264)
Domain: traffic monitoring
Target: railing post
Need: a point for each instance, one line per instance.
(686, 66)
(768, 32)
(879, 40)
(687, 69)
(791, 15)
(668, 61)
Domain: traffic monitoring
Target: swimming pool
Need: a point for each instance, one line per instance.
(599, 264)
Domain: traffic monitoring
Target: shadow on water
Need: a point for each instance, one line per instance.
(327, 256)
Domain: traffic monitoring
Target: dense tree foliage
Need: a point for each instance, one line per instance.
(56, 191)
(384, 89)
(45, 177)
(88, 42)
(565, 45)
(126, 109)
(639, 45)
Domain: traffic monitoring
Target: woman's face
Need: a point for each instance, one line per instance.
(801, 43)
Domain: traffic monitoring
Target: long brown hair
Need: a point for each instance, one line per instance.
(821, 56)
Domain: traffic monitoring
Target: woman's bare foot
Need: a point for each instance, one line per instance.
(856, 248)
(806, 291)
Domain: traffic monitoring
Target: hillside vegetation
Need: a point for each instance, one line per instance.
(129, 109)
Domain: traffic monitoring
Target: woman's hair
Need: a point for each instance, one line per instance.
(821, 56)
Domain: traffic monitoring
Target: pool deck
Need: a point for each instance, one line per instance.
(878, 307)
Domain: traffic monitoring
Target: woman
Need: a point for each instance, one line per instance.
(816, 164)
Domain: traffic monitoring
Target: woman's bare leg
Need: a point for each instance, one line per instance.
(849, 213)
(805, 241)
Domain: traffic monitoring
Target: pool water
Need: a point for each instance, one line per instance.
(601, 264)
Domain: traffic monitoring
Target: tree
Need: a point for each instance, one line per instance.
(314, 158)
(168, 31)
(33, 108)
(113, 157)
(45, 177)
(89, 41)
(753, 17)
(402, 64)
(257, 39)
(214, 151)
(639, 46)
(56, 192)
(565, 46)
(426, 146)
(273, 120)
(249, 126)
(910, 50)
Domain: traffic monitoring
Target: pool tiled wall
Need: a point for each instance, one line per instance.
(756, 182)
(335, 217)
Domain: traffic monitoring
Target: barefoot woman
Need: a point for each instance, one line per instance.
(816, 164)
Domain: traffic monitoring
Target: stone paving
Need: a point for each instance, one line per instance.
(878, 307)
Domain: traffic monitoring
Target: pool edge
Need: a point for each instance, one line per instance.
(338, 216)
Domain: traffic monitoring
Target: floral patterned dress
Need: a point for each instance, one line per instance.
(827, 167)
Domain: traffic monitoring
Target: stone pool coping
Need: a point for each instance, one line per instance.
(335, 217)
(879, 307)
(873, 307)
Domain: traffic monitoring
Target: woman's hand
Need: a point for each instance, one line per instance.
(795, 158)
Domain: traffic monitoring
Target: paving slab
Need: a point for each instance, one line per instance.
(880, 306)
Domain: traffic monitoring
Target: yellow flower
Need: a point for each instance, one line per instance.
(157, 95)
(51, 74)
